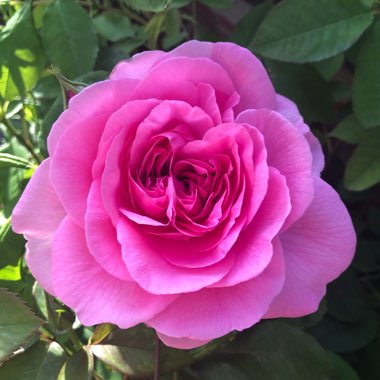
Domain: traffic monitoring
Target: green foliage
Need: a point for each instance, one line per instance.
(41, 362)
(366, 89)
(307, 31)
(321, 54)
(17, 324)
(69, 38)
(22, 59)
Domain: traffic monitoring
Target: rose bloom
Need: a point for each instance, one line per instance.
(184, 193)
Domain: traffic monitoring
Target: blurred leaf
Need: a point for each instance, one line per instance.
(303, 85)
(180, 3)
(10, 161)
(131, 352)
(17, 324)
(101, 332)
(148, 5)
(217, 3)
(367, 255)
(308, 320)
(21, 59)
(40, 362)
(329, 67)
(341, 369)
(343, 337)
(276, 350)
(344, 298)
(248, 25)
(80, 366)
(366, 86)
(308, 31)
(363, 169)
(368, 362)
(153, 29)
(11, 178)
(349, 130)
(11, 250)
(114, 26)
(69, 38)
(109, 57)
(373, 220)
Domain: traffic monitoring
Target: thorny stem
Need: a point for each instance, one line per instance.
(157, 359)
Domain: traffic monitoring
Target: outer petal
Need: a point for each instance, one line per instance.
(38, 258)
(247, 73)
(289, 152)
(289, 110)
(79, 129)
(39, 211)
(317, 249)
(211, 313)
(96, 296)
(181, 343)
(138, 66)
(99, 98)
(156, 275)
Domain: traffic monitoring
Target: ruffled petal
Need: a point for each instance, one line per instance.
(38, 212)
(211, 313)
(317, 249)
(290, 111)
(247, 73)
(95, 295)
(253, 249)
(141, 254)
(289, 152)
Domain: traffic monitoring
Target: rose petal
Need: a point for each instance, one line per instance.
(39, 211)
(136, 67)
(317, 249)
(211, 313)
(290, 111)
(181, 343)
(153, 273)
(38, 258)
(253, 249)
(101, 236)
(96, 296)
(248, 74)
(99, 98)
(289, 152)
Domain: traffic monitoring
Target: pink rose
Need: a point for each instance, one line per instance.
(184, 193)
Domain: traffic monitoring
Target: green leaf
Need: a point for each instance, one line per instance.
(10, 161)
(114, 26)
(132, 352)
(248, 25)
(217, 3)
(366, 86)
(329, 67)
(22, 59)
(341, 369)
(40, 362)
(368, 365)
(279, 351)
(69, 37)
(363, 169)
(80, 366)
(350, 130)
(344, 337)
(344, 298)
(308, 31)
(303, 85)
(17, 324)
(148, 5)
(52, 115)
